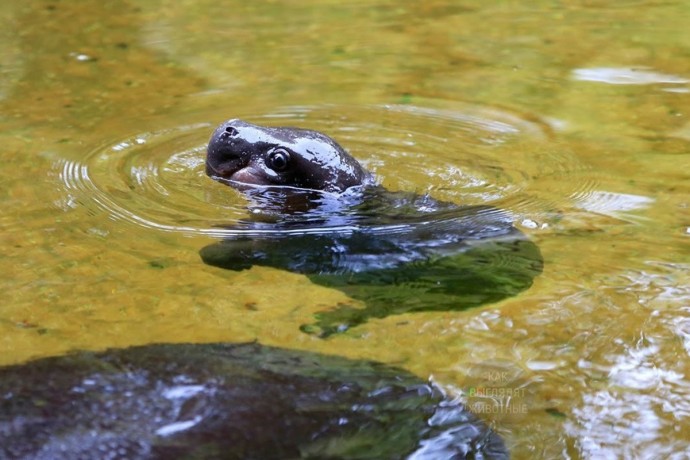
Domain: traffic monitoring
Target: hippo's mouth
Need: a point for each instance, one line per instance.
(233, 175)
(248, 175)
(217, 172)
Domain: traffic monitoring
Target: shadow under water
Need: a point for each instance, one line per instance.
(396, 252)
(229, 401)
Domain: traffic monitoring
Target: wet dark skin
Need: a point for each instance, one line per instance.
(249, 154)
(229, 401)
(318, 212)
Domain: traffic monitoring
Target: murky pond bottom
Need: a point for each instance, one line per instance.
(583, 142)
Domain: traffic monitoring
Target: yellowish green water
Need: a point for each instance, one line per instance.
(573, 116)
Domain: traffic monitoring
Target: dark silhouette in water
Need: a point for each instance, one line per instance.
(317, 212)
(229, 401)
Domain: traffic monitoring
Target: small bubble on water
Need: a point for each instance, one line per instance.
(543, 365)
(529, 223)
(98, 232)
(121, 146)
(81, 57)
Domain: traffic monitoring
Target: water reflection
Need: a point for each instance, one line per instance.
(618, 205)
(626, 76)
(632, 407)
(640, 402)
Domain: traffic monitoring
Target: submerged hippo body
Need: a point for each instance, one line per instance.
(317, 211)
(229, 401)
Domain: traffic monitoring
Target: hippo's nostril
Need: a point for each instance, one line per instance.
(231, 131)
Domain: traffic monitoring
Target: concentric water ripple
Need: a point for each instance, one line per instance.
(466, 155)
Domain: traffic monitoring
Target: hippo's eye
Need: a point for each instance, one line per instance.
(232, 132)
(278, 160)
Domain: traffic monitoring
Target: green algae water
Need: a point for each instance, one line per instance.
(572, 118)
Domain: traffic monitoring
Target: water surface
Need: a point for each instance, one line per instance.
(572, 118)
